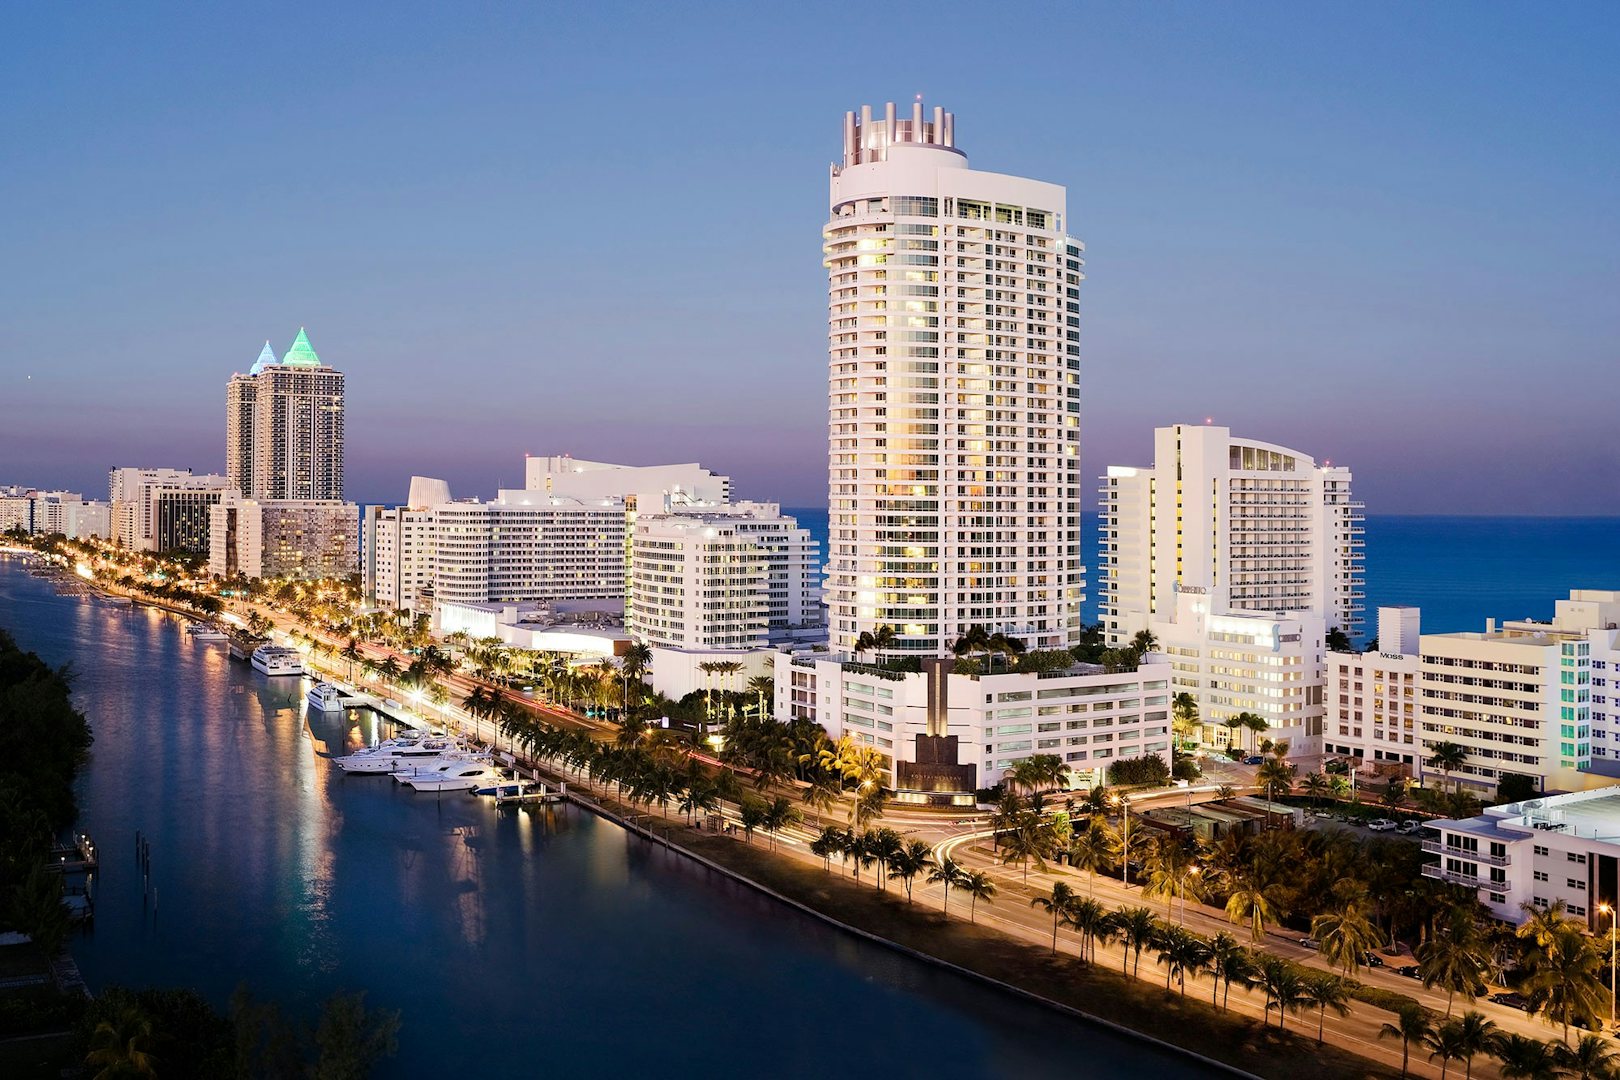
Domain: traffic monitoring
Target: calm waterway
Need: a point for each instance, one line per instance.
(537, 940)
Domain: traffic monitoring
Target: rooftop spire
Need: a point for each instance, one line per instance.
(267, 358)
(300, 354)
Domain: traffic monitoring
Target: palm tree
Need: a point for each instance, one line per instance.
(1093, 849)
(1445, 1042)
(762, 686)
(1523, 1058)
(1172, 871)
(779, 814)
(1184, 714)
(1284, 986)
(822, 792)
(1589, 1059)
(1229, 963)
(1325, 991)
(1475, 1035)
(1412, 1025)
(1446, 756)
(1144, 641)
(1059, 904)
(977, 884)
(1250, 898)
(1565, 979)
(1275, 773)
(1135, 927)
(1317, 786)
(947, 874)
(914, 858)
(1347, 934)
(1030, 841)
(1181, 951)
(751, 815)
(351, 653)
(1455, 958)
(1091, 921)
(122, 1045)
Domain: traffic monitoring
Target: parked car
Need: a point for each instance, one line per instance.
(1372, 960)
(1310, 943)
(1254, 759)
(1410, 971)
(1410, 828)
(1512, 1000)
(1382, 824)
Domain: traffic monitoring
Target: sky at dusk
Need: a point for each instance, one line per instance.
(1383, 234)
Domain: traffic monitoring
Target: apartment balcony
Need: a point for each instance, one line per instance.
(1438, 847)
(1439, 873)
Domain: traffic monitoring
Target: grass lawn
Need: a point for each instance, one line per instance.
(1191, 1022)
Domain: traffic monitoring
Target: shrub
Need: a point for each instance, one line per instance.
(1142, 771)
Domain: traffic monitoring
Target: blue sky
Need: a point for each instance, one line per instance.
(1385, 234)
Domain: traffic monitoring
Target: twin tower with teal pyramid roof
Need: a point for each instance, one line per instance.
(284, 427)
(299, 354)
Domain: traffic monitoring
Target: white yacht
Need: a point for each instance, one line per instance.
(206, 632)
(411, 771)
(464, 776)
(394, 754)
(327, 698)
(278, 660)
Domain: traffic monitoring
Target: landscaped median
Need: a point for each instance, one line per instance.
(1094, 990)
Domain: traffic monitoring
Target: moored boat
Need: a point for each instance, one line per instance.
(327, 698)
(278, 660)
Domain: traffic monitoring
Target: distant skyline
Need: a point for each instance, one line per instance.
(1383, 234)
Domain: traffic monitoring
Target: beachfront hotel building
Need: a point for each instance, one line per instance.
(721, 583)
(1373, 708)
(954, 457)
(162, 509)
(1225, 544)
(1523, 698)
(282, 538)
(284, 427)
(954, 473)
(565, 536)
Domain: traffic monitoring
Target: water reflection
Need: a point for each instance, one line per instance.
(518, 938)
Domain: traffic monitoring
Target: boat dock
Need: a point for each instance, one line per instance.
(73, 858)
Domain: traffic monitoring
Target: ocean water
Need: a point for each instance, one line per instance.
(1459, 570)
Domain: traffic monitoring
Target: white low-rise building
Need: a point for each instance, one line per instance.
(581, 629)
(1525, 698)
(734, 577)
(1246, 662)
(948, 735)
(292, 538)
(1536, 852)
(51, 513)
(1374, 712)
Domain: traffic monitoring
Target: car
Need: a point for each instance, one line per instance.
(1254, 759)
(1382, 824)
(1372, 960)
(1512, 1000)
(1409, 828)
(1310, 943)
(1410, 971)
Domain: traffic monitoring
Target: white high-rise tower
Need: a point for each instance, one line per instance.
(953, 308)
(284, 427)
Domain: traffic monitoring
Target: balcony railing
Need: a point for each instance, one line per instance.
(1438, 847)
(1435, 870)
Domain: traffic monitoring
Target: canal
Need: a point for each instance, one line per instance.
(511, 941)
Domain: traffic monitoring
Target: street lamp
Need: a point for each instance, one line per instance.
(1182, 919)
(1609, 911)
(1125, 842)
